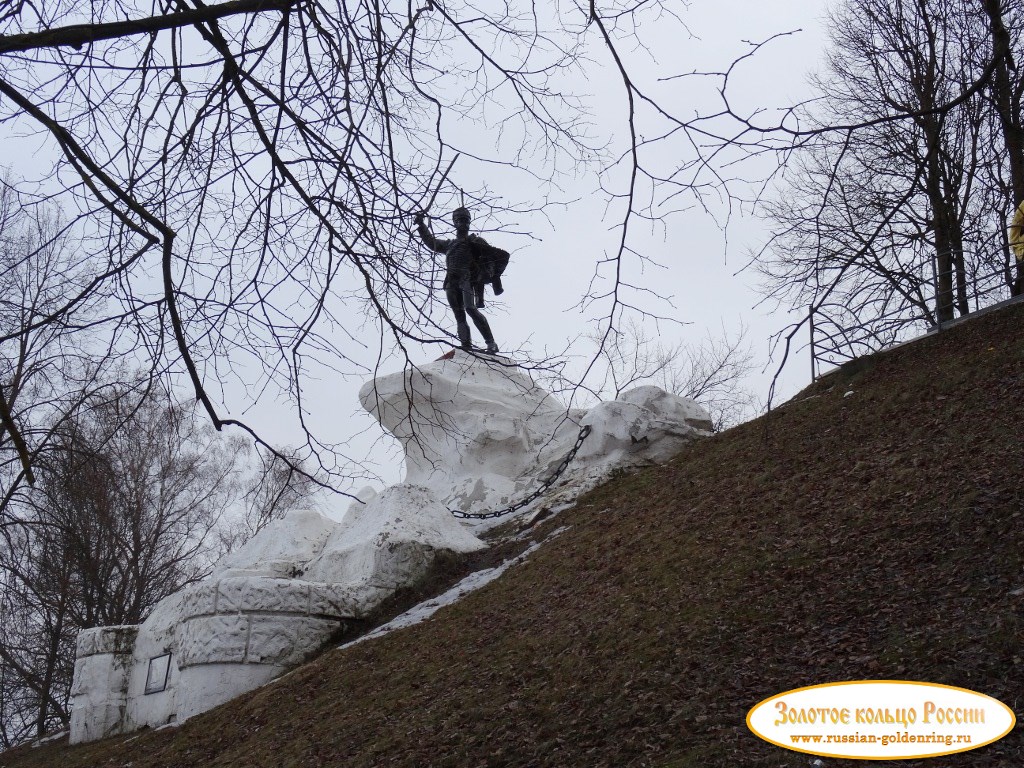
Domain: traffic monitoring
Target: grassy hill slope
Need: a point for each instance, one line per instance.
(872, 535)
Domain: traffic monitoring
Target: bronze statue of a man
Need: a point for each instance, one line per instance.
(470, 263)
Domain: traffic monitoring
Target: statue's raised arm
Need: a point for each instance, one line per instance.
(437, 246)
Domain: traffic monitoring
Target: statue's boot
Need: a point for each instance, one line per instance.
(464, 338)
(485, 330)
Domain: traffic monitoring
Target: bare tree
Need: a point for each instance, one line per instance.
(272, 487)
(125, 508)
(713, 373)
(243, 173)
(889, 223)
(278, 488)
(48, 367)
(37, 635)
(1007, 95)
(262, 159)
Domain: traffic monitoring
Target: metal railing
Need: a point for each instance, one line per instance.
(834, 342)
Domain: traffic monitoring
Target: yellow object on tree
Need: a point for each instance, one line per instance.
(1017, 233)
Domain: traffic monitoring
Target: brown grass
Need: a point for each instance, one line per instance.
(871, 536)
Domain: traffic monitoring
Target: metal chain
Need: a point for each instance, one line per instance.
(540, 490)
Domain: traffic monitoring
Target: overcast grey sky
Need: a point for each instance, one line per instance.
(550, 271)
(693, 261)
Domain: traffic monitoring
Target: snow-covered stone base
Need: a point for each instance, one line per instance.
(100, 686)
(266, 607)
(476, 431)
(478, 434)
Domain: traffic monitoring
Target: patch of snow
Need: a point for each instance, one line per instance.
(667, 406)
(477, 431)
(470, 583)
(52, 737)
(293, 542)
(390, 541)
(364, 495)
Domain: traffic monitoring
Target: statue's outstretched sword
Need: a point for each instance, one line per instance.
(439, 185)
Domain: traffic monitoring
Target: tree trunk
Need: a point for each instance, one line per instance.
(1007, 103)
(956, 254)
(942, 216)
(53, 656)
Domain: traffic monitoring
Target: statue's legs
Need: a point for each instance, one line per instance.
(479, 320)
(463, 301)
(455, 301)
(481, 324)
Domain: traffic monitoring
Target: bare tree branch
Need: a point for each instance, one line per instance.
(79, 35)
